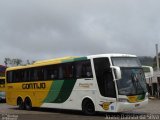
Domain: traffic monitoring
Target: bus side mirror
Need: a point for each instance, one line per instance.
(117, 72)
(148, 70)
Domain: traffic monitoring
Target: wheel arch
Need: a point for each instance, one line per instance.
(88, 98)
(18, 98)
(28, 103)
(27, 97)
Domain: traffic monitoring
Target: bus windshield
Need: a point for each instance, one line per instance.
(133, 79)
(126, 61)
(132, 82)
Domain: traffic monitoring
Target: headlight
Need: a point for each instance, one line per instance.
(122, 100)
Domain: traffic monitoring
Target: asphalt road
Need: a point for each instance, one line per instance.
(7, 112)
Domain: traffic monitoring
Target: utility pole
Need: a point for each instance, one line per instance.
(157, 57)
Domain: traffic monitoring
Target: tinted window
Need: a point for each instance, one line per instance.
(39, 74)
(21, 75)
(67, 70)
(2, 81)
(126, 61)
(51, 72)
(9, 77)
(104, 77)
(16, 76)
(26, 75)
(83, 69)
(31, 74)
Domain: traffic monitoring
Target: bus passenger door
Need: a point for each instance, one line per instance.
(106, 85)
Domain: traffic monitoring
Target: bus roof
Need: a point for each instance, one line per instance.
(67, 59)
(54, 60)
(48, 62)
(111, 55)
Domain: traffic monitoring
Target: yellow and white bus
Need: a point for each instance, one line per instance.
(104, 82)
(2, 89)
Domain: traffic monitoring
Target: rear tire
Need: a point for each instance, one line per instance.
(28, 104)
(20, 103)
(88, 107)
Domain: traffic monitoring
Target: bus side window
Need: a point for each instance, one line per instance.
(26, 75)
(60, 75)
(21, 76)
(67, 70)
(51, 72)
(78, 69)
(86, 69)
(9, 77)
(39, 74)
(83, 69)
(16, 76)
(32, 74)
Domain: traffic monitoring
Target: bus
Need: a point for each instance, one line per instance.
(2, 89)
(103, 82)
(2, 83)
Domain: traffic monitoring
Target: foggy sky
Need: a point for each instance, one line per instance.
(44, 29)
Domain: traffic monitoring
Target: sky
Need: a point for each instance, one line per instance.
(46, 29)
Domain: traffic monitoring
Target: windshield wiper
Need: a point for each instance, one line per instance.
(136, 83)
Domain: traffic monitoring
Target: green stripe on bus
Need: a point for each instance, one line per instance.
(74, 59)
(65, 91)
(80, 58)
(61, 89)
(54, 90)
(141, 97)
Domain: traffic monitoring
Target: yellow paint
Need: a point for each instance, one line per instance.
(132, 99)
(105, 105)
(55, 60)
(42, 63)
(14, 90)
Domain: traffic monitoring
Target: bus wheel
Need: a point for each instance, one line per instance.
(20, 103)
(88, 107)
(28, 104)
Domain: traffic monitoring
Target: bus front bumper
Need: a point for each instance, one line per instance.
(125, 106)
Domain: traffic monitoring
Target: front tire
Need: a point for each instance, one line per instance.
(88, 107)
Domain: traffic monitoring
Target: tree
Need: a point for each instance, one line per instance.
(7, 61)
(16, 62)
(28, 62)
(146, 60)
